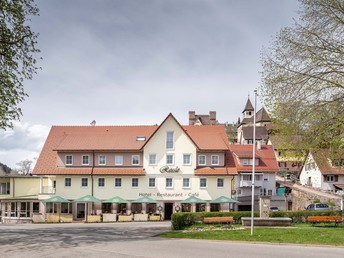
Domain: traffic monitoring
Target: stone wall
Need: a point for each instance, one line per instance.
(302, 199)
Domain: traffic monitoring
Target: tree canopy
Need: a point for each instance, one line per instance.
(18, 60)
(303, 72)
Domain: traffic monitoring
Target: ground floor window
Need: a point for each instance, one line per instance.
(136, 208)
(151, 208)
(186, 207)
(214, 207)
(67, 208)
(106, 207)
(200, 207)
(24, 209)
(35, 207)
(51, 207)
(122, 208)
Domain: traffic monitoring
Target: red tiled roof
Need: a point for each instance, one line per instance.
(323, 157)
(119, 171)
(211, 171)
(266, 155)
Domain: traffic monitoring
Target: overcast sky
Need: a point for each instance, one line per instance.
(133, 62)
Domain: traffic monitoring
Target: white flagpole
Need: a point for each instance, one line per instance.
(253, 161)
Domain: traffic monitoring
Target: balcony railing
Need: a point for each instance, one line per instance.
(246, 183)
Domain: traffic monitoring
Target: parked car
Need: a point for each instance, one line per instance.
(317, 207)
(274, 209)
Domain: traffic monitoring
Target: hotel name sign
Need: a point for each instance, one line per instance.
(167, 169)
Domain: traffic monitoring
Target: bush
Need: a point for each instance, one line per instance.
(301, 216)
(180, 220)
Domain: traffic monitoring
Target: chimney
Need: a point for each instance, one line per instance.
(212, 116)
(192, 117)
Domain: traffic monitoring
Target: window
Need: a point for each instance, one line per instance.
(102, 160)
(203, 182)
(68, 182)
(250, 142)
(84, 182)
(169, 140)
(187, 159)
(66, 208)
(85, 160)
(247, 177)
(169, 182)
(151, 182)
(215, 160)
(245, 162)
(201, 160)
(135, 160)
(186, 182)
(118, 160)
(118, 182)
(152, 159)
(269, 192)
(101, 182)
(331, 178)
(169, 159)
(5, 188)
(220, 182)
(69, 160)
(135, 182)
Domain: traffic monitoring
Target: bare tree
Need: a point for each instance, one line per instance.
(24, 167)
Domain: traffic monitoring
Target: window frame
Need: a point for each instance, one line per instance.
(218, 160)
(150, 156)
(199, 160)
(132, 182)
(121, 160)
(70, 182)
(151, 179)
(138, 160)
(83, 180)
(170, 155)
(99, 159)
(185, 155)
(116, 180)
(66, 159)
(170, 140)
(218, 180)
(82, 160)
(189, 183)
(170, 184)
(99, 180)
(204, 179)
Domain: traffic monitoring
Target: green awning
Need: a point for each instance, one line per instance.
(116, 199)
(145, 200)
(224, 199)
(56, 199)
(193, 199)
(87, 198)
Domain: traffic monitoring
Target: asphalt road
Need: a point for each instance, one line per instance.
(135, 239)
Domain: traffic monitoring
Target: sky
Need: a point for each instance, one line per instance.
(132, 62)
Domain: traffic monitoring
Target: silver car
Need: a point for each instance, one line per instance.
(317, 207)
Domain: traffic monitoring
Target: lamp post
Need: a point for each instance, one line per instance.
(253, 161)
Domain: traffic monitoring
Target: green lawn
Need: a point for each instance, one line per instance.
(321, 234)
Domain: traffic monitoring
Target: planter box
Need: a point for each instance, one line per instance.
(66, 218)
(155, 217)
(93, 218)
(140, 217)
(127, 218)
(38, 218)
(109, 217)
(270, 222)
(52, 218)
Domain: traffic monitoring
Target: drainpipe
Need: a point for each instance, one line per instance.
(92, 173)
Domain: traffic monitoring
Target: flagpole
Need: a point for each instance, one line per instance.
(253, 161)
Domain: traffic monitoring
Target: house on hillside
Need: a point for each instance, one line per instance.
(324, 170)
(241, 157)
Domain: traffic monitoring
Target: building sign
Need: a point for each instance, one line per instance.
(158, 194)
(167, 169)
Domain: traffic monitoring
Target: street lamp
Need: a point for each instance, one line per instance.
(253, 161)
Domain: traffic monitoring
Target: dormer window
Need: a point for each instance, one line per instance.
(215, 160)
(69, 160)
(245, 162)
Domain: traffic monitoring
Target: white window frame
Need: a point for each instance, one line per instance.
(82, 181)
(169, 182)
(330, 178)
(101, 186)
(218, 180)
(189, 183)
(132, 182)
(152, 161)
(184, 156)
(169, 141)
(204, 179)
(66, 160)
(245, 162)
(120, 161)
(199, 160)
(149, 182)
(99, 159)
(119, 179)
(70, 182)
(138, 160)
(218, 160)
(88, 160)
(170, 155)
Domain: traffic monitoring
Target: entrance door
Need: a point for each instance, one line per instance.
(168, 210)
(80, 210)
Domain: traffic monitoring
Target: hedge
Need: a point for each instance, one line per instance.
(181, 220)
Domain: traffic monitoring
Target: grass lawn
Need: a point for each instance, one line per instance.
(321, 234)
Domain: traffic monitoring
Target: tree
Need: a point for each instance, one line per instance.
(17, 56)
(302, 78)
(24, 167)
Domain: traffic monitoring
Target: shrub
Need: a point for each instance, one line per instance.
(180, 220)
(301, 216)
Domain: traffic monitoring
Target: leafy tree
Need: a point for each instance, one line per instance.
(302, 78)
(4, 169)
(18, 61)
